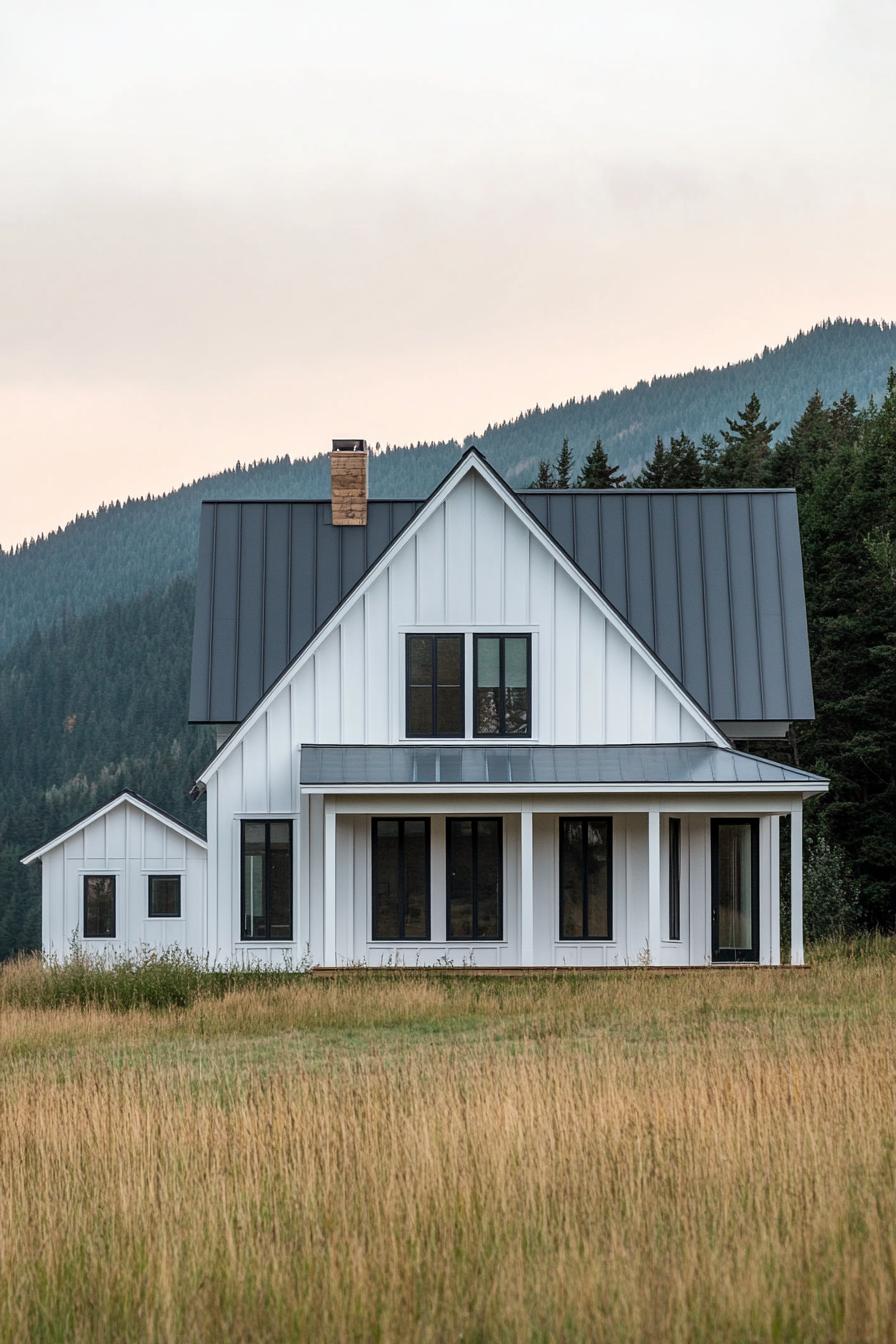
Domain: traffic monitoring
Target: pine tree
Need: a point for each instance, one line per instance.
(652, 475)
(596, 473)
(709, 458)
(685, 467)
(796, 459)
(748, 441)
(545, 478)
(563, 467)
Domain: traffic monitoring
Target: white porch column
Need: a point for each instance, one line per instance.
(654, 915)
(527, 890)
(796, 885)
(329, 884)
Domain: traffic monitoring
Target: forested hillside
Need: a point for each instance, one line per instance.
(125, 549)
(95, 701)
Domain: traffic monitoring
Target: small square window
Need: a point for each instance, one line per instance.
(164, 896)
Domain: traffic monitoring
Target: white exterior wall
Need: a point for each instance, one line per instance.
(130, 845)
(628, 945)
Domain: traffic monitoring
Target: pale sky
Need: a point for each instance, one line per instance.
(240, 230)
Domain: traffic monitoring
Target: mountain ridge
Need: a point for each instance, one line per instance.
(122, 550)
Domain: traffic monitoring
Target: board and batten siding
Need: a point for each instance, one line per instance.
(131, 845)
(471, 566)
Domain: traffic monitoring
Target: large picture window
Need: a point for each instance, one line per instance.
(400, 879)
(435, 686)
(266, 887)
(502, 673)
(475, 878)
(99, 906)
(586, 877)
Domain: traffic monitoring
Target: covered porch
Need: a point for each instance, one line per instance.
(517, 864)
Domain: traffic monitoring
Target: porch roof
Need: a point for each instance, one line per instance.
(691, 763)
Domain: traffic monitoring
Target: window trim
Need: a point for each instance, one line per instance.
(502, 636)
(584, 819)
(475, 936)
(99, 937)
(267, 936)
(165, 877)
(674, 877)
(427, 832)
(434, 637)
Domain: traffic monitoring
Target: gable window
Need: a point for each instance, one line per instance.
(475, 878)
(674, 879)
(435, 686)
(502, 672)
(99, 906)
(266, 880)
(400, 857)
(164, 896)
(586, 877)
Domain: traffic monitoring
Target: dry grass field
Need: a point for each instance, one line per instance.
(701, 1156)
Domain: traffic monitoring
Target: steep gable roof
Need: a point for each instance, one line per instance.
(126, 796)
(711, 581)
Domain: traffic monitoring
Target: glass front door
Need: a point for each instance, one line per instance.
(735, 890)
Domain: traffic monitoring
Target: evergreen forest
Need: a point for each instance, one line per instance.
(96, 619)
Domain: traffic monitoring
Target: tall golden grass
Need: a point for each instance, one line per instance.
(707, 1156)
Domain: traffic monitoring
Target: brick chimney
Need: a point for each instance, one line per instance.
(348, 482)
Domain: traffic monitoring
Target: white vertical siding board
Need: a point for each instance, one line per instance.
(353, 673)
(591, 688)
(541, 588)
(431, 566)
(281, 749)
(643, 702)
(516, 571)
(255, 768)
(668, 714)
(566, 658)
(326, 689)
(376, 661)
(488, 575)
(618, 685)
(459, 554)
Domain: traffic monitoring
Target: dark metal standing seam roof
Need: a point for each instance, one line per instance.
(711, 580)
(270, 575)
(675, 763)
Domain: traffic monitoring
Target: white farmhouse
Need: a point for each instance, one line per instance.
(491, 728)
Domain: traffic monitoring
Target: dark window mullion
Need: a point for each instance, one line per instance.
(474, 870)
(403, 877)
(434, 704)
(586, 923)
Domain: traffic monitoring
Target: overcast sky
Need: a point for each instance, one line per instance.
(238, 230)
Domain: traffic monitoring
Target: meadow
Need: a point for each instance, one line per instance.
(707, 1155)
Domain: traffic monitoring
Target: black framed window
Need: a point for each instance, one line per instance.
(735, 889)
(475, 873)
(586, 877)
(675, 879)
(164, 896)
(99, 905)
(266, 881)
(400, 884)
(434, 678)
(502, 674)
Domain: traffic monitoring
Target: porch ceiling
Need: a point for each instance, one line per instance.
(698, 763)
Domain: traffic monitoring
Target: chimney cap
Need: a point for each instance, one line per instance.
(349, 445)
